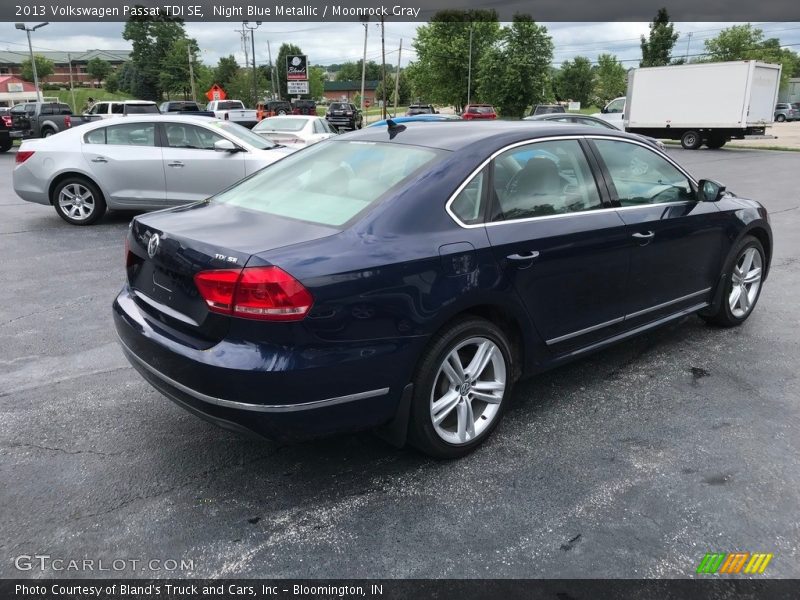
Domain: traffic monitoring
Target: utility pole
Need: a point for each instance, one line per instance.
(383, 68)
(275, 91)
(28, 30)
(364, 65)
(688, 43)
(71, 88)
(245, 48)
(397, 76)
(469, 67)
(253, 49)
(191, 71)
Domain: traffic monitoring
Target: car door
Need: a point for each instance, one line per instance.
(676, 242)
(558, 242)
(127, 164)
(194, 169)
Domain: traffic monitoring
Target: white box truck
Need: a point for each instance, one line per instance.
(703, 103)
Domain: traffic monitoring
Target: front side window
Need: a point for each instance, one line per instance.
(182, 135)
(117, 108)
(641, 176)
(331, 183)
(543, 179)
(616, 106)
(131, 134)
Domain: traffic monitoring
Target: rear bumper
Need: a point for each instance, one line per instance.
(260, 388)
(28, 186)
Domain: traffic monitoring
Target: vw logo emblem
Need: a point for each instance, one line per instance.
(152, 245)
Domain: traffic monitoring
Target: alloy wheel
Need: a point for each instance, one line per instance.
(77, 201)
(468, 390)
(745, 282)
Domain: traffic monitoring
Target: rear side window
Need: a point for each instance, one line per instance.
(117, 108)
(641, 176)
(141, 109)
(131, 134)
(543, 179)
(330, 183)
(98, 136)
(468, 205)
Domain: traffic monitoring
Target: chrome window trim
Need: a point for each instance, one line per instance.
(495, 154)
(276, 408)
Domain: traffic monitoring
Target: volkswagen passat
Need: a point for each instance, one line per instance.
(405, 277)
(139, 163)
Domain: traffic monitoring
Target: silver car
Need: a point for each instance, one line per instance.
(139, 163)
(591, 121)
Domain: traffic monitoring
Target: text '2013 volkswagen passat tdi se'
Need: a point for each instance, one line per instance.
(407, 276)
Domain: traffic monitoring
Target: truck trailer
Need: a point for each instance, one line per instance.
(703, 103)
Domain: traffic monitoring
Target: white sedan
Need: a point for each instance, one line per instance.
(295, 130)
(141, 163)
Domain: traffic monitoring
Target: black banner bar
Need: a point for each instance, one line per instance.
(395, 10)
(417, 589)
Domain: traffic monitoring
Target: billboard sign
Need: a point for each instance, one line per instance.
(297, 67)
(297, 87)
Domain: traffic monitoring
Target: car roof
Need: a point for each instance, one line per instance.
(459, 134)
(304, 117)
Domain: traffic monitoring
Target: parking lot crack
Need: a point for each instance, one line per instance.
(63, 450)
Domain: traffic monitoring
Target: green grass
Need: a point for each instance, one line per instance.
(81, 94)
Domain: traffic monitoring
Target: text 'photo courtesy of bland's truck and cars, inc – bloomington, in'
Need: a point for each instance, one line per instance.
(392, 301)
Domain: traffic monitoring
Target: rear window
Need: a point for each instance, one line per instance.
(56, 109)
(481, 110)
(330, 183)
(230, 106)
(340, 106)
(280, 124)
(546, 110)
(141, 109)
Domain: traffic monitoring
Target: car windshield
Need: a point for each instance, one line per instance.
(281, 124)
(329, 183)
(244, 134)
(141, 109)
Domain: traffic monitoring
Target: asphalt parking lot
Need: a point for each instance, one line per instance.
(630, 463)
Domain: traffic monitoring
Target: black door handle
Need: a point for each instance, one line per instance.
(522, 257)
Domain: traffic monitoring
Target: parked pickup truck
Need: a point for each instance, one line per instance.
(43, 119)
(233, 110)
(184, 107)
(5, 130)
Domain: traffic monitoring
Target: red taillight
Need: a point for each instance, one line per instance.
(67, 121)
(130, 257)
(264, 293)
(23, 155)
(8, 121)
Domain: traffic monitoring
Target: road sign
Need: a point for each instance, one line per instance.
(297, 87)
(216, 93)
(297, 67)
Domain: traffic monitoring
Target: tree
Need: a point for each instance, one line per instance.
(226, 70)
(98, 69)
(657, 48)
(44, 68)
(610, 80)
(744, 42)
(515, 72)
(280, 65)
(152, 39)
(403, 89)
(441, 70)
(316, 82)
(174, 77)
(351, 71)
(575, 80)
(112, 82)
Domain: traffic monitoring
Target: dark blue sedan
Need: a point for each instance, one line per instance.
(403, 278)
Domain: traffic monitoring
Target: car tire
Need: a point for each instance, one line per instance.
(6, 147)
(739, 297)
(691, 140)
(78, 201)
(716, 143)
(780, 118)
(464, 419)
(47, 132)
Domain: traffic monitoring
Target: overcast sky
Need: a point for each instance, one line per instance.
(327, 43)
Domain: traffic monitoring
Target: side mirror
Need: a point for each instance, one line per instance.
(709, 190)
(225, 146)
(604, 110)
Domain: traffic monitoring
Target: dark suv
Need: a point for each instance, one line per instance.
(547, 109)
(304, 107)
(344, 115)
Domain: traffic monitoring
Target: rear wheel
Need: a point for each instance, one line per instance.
(47, 132)
(78, 201)
(780, 118)
(691, 140)
(461, 388)
(744, 273)
(716, 143)
(6, 147)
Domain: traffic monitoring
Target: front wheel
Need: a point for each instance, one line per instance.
(78, 201)
(691, 140)
(744, 274)
(461, 389)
